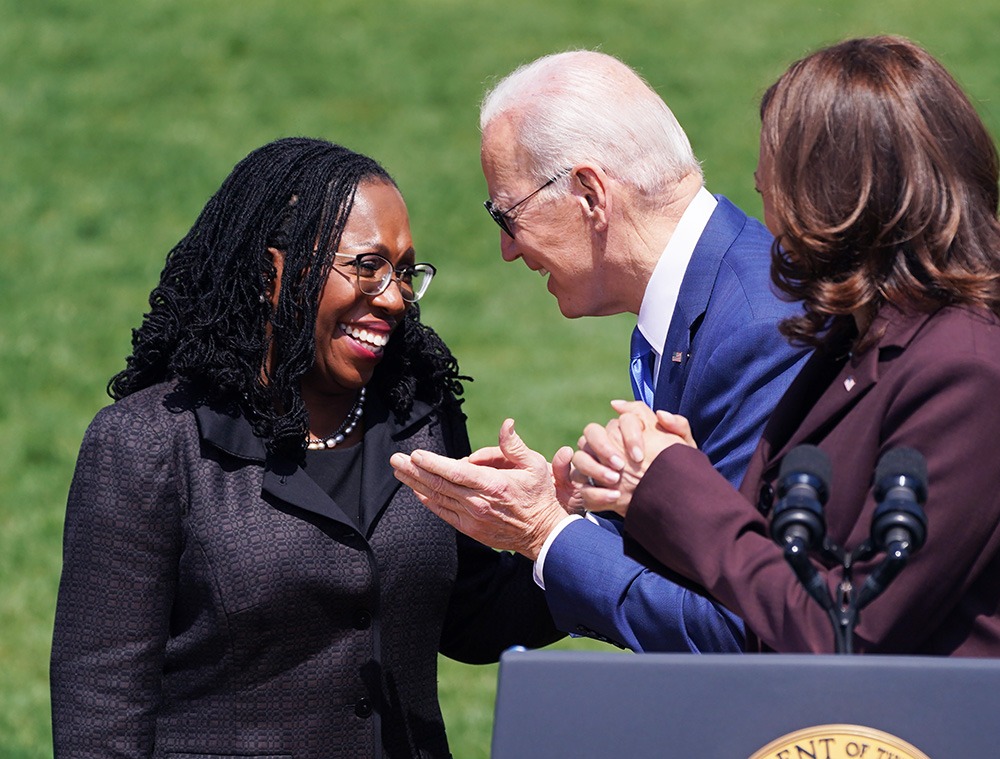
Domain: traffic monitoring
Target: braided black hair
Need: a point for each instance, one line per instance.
(211, 325)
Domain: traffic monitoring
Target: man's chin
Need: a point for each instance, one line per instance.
(569, 309)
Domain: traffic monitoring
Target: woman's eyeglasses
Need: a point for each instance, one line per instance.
(374, 273)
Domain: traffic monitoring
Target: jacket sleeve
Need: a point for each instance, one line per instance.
(495, 604)
(120, 552)
(594, 589)
(687, 516)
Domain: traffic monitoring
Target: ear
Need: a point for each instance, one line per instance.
(593, 187)
(272, 287)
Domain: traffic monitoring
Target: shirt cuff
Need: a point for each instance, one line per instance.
(537, 573)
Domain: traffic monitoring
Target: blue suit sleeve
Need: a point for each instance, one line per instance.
(593, 589)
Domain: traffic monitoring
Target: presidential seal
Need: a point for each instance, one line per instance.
(839, 742)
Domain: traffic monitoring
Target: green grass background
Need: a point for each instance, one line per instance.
(118, 119)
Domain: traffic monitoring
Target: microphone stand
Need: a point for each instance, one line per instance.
(899, 528)
(844, 615)
(797, 556)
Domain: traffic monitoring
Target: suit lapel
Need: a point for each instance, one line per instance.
(718, 236)
(840, 385)
(287, 481)
(384, 437)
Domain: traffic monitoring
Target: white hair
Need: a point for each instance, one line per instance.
(582, 105)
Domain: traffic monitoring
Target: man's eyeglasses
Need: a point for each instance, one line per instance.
(500, 217)
(374, 273)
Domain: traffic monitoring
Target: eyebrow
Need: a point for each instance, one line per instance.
(409, 255)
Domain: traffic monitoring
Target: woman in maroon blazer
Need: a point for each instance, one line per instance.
(880, 185)
(243, 575)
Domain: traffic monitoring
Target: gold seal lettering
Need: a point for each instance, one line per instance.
(839, 742)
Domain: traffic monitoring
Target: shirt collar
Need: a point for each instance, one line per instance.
(660, 298)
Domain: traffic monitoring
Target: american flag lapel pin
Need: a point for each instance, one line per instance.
(849, 384)
(677, 356)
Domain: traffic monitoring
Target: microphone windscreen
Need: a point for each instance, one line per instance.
(807, 459)
(902, 462)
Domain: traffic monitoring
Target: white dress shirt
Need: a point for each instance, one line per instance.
(660, 297)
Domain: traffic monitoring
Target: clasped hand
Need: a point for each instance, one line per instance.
(611, 460)
(509, 497)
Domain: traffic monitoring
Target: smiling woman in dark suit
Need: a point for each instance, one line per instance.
(243, 575)
(880, 185)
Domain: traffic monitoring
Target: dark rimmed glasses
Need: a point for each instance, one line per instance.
(374, 273)
(500, 217)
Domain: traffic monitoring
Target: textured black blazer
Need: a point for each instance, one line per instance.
(216, 602)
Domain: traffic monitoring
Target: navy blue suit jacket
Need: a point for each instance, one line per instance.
(724, 367)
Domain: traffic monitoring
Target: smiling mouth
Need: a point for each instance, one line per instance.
(374, 341)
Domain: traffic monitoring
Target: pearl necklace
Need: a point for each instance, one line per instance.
(345, 429)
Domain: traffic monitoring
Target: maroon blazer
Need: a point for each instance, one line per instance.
(932, 384)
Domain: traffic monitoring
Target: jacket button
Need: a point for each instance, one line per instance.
(766, 499)
(363, 708)
(362, 619)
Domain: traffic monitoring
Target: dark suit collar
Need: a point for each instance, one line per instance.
(286, 480)
(228, 433)
(724, 226)
(840, 383)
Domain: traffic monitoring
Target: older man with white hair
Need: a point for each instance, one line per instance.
(594, 185)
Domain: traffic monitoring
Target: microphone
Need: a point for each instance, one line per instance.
(899, 525)
(900, 492)
(797, 524)
(803, 487)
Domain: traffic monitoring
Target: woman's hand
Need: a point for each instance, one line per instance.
(611, 460)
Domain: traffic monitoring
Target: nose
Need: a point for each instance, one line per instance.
(508, 248)
(390, 299)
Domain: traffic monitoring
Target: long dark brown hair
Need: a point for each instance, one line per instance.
(883, 185)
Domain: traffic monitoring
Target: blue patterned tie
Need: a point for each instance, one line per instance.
(642, 374)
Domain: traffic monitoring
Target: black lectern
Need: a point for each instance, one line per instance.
(727, 706)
